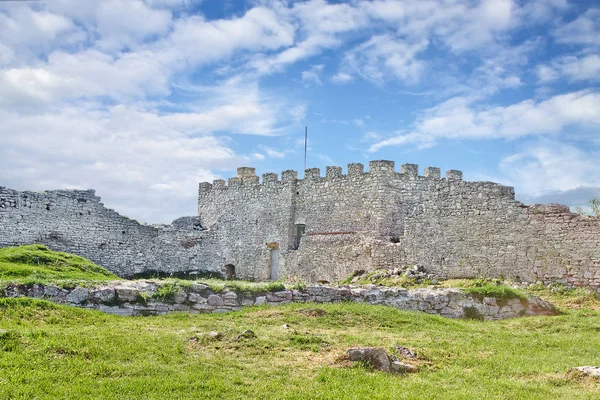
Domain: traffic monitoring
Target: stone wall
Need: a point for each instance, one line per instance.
(386, 219)
(324, 228)
(138, 298)
(77, 222)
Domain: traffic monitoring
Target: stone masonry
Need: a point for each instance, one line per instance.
(137, 298)
(322, 228)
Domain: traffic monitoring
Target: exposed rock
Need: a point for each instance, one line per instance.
(215, 300)
(102, 295)
(247, 334)
(196, 298)
(397, 366)
(180, 297)
(136, 296)
(230, 299)
(589, 371)
(260, 300)
(78, 295)
(125, 293)
(375, 356)
(210, 336)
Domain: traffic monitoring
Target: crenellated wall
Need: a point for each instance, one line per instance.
(323, 228)
(385, 218)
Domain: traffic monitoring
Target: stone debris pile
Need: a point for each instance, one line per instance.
(379, 359)
(147, 298)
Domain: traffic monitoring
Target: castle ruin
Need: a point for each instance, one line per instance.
(323, 228)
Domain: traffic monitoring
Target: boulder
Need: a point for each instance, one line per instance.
(375, 356)
(397, 366)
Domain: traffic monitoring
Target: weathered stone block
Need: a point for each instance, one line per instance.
(78, 295)
(215, 300)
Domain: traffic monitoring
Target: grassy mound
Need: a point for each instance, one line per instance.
(495, 288)
(37, 263)
(50, 351)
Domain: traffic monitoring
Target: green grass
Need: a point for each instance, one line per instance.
(495, 288)
(49, 351)
(38, 264)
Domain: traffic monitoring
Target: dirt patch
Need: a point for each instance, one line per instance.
(312, 313)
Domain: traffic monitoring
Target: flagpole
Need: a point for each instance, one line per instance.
(305, 144)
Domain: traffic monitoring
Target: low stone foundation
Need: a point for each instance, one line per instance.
(143, 298)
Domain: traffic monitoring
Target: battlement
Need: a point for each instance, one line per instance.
(377, 168)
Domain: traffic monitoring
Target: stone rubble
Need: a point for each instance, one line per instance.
(136, 298)
(379, 359)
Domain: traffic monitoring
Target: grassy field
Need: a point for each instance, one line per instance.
(49, 351)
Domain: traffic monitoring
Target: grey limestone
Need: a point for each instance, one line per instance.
(137, 299)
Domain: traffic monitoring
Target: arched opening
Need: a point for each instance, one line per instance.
(228, 271)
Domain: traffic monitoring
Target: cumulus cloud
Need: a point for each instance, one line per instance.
(139, 161)
(573, 68)
(383, 56)
(549, 171)
(583, 30)
(313, 74)
(458, 118)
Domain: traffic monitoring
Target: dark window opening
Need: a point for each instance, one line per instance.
(228, 271)
(395, 239)
(300, 231)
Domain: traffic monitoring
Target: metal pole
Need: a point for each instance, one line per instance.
(305, 144)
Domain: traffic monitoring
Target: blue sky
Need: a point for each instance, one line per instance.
(143, 99)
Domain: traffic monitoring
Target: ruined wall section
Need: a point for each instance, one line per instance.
(77, 222)
(471, 229)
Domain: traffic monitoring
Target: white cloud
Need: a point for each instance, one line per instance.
(116, 32)
(460, 25)
(575, 69)
(142, 163)
(458, 119)
(29, 33)
(385, 55)
(342, 77)
(546, 167)
(584, 30)
(313, 74)
(272, 153)
(148, 70)
(320, 26)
